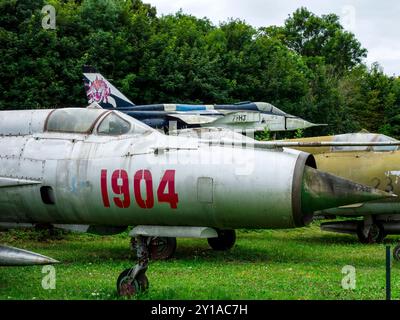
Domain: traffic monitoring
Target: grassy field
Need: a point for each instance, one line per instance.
(285, 264)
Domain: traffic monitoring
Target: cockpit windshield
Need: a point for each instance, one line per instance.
(84, 120)
(73, 120)
(278, 111)
(363, 137)
(267, 107)
(113, 125)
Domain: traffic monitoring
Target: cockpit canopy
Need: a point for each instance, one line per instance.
(113, 125)
(363, 137)
(84, 120)
(267, 107)
(73, 120)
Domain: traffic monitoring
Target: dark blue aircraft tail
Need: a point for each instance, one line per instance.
(99, 90)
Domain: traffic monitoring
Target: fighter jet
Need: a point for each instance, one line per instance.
(377, 164)
(97, 167)
(256, 116)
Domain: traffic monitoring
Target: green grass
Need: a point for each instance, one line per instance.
(283, 264)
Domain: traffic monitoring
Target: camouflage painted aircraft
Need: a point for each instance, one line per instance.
(256, 116)
(102, 168)
(375, 165)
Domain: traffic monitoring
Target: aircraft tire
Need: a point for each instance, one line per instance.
(375, 235)
(225, 240)
(160, 248)
(396, 252)
(128, 287)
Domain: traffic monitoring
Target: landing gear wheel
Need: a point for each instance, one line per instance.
(133, 280)
(128, 286)
(225, 240)
(376, 233)
(396, 252)
(160, 248)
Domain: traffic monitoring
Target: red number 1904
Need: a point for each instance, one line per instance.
(121, 190)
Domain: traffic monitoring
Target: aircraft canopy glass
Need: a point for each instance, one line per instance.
(277, 111)
(74, 120)
(267, 107)
(364, 137)
(113, 125)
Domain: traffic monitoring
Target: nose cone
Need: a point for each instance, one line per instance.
(10, 256)
(321, 190)
(298, 123)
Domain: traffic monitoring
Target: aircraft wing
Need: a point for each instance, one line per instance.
(192, 118)
(245, 119)
(239, 117)
(215, 134)
(383, 207)
(10, 256)
(294, 144)
(14, 182)
(216, 119)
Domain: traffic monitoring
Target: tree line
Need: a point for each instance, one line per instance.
(310, 66)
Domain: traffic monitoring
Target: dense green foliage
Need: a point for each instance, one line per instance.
(310, 66)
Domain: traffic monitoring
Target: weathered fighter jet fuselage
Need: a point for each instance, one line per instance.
(71, 166)
(92, 166)
(100, 167)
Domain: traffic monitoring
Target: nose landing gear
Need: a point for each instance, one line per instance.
(133, 280)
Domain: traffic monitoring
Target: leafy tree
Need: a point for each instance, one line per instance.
(310, 67)
(314, 36)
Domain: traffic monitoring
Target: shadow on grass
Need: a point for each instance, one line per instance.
(291, 254)
(262, 248)
(75, 252)
(313, 250)
(339, 239)
(327, 239)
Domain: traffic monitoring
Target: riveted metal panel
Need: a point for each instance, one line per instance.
(9, 167)
(12, 146)
(273, 122)
(47, 148)
(22, 122)
(31, 169)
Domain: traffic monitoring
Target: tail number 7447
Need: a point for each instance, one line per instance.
(121, 189)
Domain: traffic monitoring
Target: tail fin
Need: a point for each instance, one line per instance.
(99, 90)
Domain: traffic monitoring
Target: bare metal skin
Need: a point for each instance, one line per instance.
(10, 256)
(103, 168)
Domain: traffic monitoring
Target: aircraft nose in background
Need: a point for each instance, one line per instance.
(321, 190)
(298, 123)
